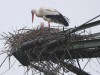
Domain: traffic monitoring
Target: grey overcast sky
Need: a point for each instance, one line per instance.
(17, 14)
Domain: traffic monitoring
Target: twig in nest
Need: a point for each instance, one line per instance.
(3, 61)
(8, 69)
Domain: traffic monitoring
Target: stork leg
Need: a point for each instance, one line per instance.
(49, 24)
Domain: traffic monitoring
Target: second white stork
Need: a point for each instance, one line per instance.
(50, 15)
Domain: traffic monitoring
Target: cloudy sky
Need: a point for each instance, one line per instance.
(15, 14)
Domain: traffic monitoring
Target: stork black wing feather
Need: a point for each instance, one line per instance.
(58, 18)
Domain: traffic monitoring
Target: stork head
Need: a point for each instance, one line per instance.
(33, 12)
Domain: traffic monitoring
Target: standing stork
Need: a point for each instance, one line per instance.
(50, 15)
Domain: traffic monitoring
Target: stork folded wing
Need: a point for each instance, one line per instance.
(58, 19)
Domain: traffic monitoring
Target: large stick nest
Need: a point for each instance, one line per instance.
(44, 54)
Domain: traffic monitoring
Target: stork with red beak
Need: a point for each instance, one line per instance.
(50, 15)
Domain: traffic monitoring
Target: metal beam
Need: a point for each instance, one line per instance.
(78, 54)
(85, 44)
(85, 26)
(74, 69)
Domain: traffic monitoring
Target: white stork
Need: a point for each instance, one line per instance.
(50, 15)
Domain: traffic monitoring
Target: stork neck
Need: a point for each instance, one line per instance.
(38, 14)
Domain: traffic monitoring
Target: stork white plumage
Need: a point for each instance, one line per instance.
(50, 15)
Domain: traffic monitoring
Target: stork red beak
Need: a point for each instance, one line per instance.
(32, 17)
